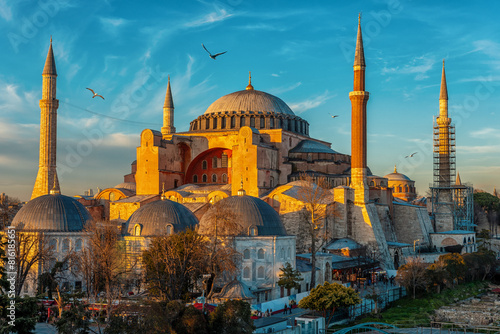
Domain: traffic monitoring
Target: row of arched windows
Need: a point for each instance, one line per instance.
(204, 178)
(261, 272)
(295, 125)
(65, 245)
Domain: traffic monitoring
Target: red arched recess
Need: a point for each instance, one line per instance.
(213, 163)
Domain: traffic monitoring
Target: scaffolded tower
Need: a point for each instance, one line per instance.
(451, 204)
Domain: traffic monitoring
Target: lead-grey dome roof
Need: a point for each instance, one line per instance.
(52, 213)
(250, 212)
(250, 100)
(154, 218)
(311, 146)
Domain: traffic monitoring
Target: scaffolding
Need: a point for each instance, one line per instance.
(444, 154)
(452, 203)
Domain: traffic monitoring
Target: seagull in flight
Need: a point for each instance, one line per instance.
(95, 94)
(211, 55)
(333, 116)
(411, 155)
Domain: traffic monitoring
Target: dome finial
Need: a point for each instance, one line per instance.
(163, 192)
(249, 87)
(395, 170)
(241, 191)
(54, 190)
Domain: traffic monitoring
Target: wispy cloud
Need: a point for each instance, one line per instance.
(220, 14)
(263, 26)
(479, 149)
(313, 102)
(418, 65)
(5, 10)
(283, 89)
(112, 25)
(13, 99)
(486, 133)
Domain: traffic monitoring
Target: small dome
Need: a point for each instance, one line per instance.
(126, 185)
(250, 212)
(235, 290)
(52, 213)
(395, 176)
(311, 146)
(250, 100)
(154, 218)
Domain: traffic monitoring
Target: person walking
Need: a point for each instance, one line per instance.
(286, 309)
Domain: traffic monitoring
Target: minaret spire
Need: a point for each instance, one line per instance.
(359, 55)
(46, 179)
(359, 98)
(443, 94)
(168, 112)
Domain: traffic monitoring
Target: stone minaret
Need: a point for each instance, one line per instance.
(359, 98)
(168, 113)
(46, 179)
(443, 122)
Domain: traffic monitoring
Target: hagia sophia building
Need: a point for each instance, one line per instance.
(247, 152)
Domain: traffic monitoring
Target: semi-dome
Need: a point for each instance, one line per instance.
(311, 146)
(250, 101)
(126, 185)
(161, 217)
(52, 213)
(255, 216)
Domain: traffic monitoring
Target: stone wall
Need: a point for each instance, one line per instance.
(473, 311)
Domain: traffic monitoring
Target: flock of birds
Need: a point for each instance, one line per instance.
(214, 57)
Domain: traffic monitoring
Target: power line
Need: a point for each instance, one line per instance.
(107, 116)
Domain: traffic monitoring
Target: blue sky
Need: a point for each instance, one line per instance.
(299, 51)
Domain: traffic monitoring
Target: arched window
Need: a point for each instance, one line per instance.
(262, 122)
(253, 231)
(406, 188)
(271, 182)
(282, 253)
(78, 245)
(260, 254)
(246, 273)
(223, 122)
(195, 178)
(215, 123)
(204, 164)
(137, 230)
(214, 162)
(372, 184)
(252, 122)
(233, 122)
(224, 178)
(204, 178)
(65, 246)
(271, 123)
(207, 123)
(260, 272)
(289, 253)
(170, 229)
(53, 245)
(242, 121)
(246, 254)
(214, 178)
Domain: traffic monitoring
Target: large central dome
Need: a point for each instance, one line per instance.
(250, 107)
(250, 100)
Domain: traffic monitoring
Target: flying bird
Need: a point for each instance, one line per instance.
(211, 55)
(95, 94)
(333, 116)
(411, 155)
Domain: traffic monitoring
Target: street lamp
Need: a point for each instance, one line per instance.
(204, 279)
(414, 242)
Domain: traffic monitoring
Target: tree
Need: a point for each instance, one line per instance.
(289, 278)
(412, 275)
(437, 275)
(8, 208)
(173, 263)
(26, 313)
(103, 262)
(328, 297)
(454, 265)
(75, 320)
(221, 228)
(232, 317)
(32, 250)
(479, 264)
(319, 205)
